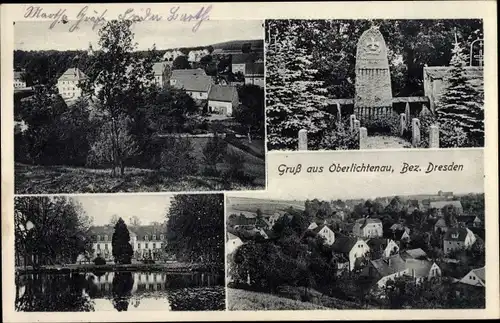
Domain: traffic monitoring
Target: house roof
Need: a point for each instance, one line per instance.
(72, 74)
(344, 244)
(159, 67)
(480, 273)
(398, 227)
(148, 230)
(320, 227)
(414, 253)
(231, 236)
(466, 218)
(441, 223)
(254, 69)
(389, 266)
(365, 221)
(18, 75)
(242, 58)
(442, 204)
(223, 93)
(456, 234)
(419, 268)
(194, 71)
(377, 243)
(439, 72)
(193, 82)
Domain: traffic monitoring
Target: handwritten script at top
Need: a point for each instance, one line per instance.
(98, 18)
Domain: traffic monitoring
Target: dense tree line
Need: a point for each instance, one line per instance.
(50, 230)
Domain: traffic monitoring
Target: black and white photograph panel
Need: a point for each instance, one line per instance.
(119, 253)
(374, 84)
(139, 107)
(358, 244)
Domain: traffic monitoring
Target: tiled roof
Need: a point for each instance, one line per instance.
(159, 67)
(456, 234)
(72, 74)
(480, 273)
(196, 83)
(148, 230)
(419, 268)
(414, 253)
(197, 71)
(224, 93)
(344, 244)
(389, 266)
(254, 69)
(365, 221)
(442, 204)
(242, 58)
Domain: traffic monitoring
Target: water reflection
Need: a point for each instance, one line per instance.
(120, 291)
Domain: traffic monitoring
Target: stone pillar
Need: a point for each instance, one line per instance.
(339, 113)
(363, 136)
(407, 111)
(352, 117)
(357, 124)
(415, 129)
(303, 139)
(434, 136)
(402, 123)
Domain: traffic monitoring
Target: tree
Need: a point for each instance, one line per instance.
(246, 47)
(195, 228)
(113, 220)
(214, 152)
(135, 221)
(122, 82)
(122, 249)
(461, 106)
(450, 214)
(50, 230)
(251, 112)
(181, 62)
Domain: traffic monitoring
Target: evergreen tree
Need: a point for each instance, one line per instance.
(295, 98)
(122, 249)
(461, 106)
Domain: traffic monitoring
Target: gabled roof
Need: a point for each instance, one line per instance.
(419, 268)
(389, 266)
(320, 227)
(442, 204)
(254, 69)
(441, 223)
(456, 234)
(223, 93)
(18, 75)
(344, 244)
(242, 58)
(72, 74)
(365, 221)
(148, 230)
(197, 71)
(480, 273)
(196, 83)
(377, 243)
(159, 67)
(414, 253)
(231, 236)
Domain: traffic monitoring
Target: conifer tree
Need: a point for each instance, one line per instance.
(122, 249)
(295, 99)
(461, 106)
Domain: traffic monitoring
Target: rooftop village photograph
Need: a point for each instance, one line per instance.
(129, 107)
(374, 84)
(363, 246)
(119, 253)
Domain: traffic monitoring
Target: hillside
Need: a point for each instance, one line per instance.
(244, 204)
(242, 300)
(236, 44)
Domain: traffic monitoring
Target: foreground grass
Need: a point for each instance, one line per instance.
(242, 300)
(62, 179)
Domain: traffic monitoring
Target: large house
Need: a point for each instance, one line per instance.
(239, 62)
(368, 228)
(147, 241)
(439, 205)
(222, 99)
(381, 248)
(195, 82)
(476, 277)
(353, 249)
(254, 74)
(18, 80)
(458, 238)
(67, 83)
(326, 233)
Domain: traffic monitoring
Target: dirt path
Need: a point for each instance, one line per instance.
(386, 142)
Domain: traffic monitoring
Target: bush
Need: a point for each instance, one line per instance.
(176, 157)
(339, 138)
(388, 125)
(99, 261)
(451, 137)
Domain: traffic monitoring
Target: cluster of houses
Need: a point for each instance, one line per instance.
(148, 242)
(217, 94)
(365, 245)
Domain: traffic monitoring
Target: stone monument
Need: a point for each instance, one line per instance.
(373, 92)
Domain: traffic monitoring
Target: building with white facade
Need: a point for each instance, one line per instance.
(19, 81)
(368, 228)
(222, 99)
(67, 83)
(195, 82)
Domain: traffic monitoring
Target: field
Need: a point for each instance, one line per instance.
(244, 205)
(242, 300)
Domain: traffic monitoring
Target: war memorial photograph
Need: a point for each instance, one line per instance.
(138, 107)
(374, 84)
(119, 253)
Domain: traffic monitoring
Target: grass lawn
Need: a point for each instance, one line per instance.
(62, 179)
(242, 300)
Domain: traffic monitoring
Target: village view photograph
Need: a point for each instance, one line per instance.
(374, 84)
(370, 250)
(119, 253)
(139, 107)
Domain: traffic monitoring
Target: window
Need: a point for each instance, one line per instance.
(98, 247)
(154, 236)
(106, 246)
(138, 246)
(98, 238)
(106, 238)
(161, 236)
(473, 277)
(146, 238)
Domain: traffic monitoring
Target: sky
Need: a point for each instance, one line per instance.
(148, 208)
(29, 35)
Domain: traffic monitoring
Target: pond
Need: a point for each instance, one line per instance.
(120, 291)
